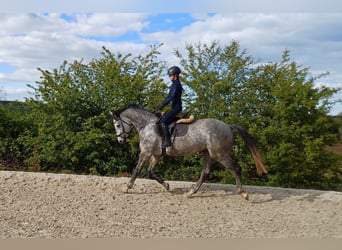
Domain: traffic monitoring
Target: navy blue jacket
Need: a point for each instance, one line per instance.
(174, 95)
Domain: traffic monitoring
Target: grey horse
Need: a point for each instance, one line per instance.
(212, 137)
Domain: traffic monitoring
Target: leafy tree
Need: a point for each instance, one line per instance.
(71, 103)
(215, 76)
(292, 113)
(279, 104)
(13, 123)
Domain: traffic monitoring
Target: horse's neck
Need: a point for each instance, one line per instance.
(139, 120)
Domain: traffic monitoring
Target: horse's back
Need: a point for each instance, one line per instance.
(212, 125)
(210, 129)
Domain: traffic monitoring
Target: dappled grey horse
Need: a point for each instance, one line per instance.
(212, 137)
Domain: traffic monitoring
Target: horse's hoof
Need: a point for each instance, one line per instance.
(189, 194)
(167, 186)
(125, 190)
(245, 195)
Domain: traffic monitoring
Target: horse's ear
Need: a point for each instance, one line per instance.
(113, 114)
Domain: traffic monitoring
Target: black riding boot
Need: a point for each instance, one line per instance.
(166, 136)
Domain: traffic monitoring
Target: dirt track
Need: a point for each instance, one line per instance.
(68, 206)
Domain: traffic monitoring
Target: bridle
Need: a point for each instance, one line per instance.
(123, 127)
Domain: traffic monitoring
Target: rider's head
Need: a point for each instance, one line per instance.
(174, 72)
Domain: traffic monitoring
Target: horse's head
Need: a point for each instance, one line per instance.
(122, 127)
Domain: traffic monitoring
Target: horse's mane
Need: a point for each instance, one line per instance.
(133, 106)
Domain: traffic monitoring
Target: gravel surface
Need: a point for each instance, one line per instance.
(39, 205)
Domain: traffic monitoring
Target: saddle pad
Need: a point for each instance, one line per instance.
(179, 130)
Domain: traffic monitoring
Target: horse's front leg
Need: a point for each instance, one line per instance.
(153, 162)
(142, 159)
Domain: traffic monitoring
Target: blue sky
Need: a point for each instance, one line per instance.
(29, 39)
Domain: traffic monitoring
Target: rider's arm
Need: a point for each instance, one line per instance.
(169, 97)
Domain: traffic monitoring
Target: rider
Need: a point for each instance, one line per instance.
(174, 97)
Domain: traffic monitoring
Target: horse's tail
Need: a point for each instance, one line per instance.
(252, 147)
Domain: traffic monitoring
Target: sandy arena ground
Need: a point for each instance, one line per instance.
(38, 205)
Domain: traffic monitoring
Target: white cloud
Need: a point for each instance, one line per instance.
(177, 6)
(17, 94)
(28, 41)
(108, 24)
(265, 36)
(31, 41)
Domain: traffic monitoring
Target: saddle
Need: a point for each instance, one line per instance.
(179, 126)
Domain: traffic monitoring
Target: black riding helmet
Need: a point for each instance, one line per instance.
(174, 70)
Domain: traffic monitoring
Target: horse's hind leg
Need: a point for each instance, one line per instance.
(205, 172)
(236, 170)
(153, 162)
